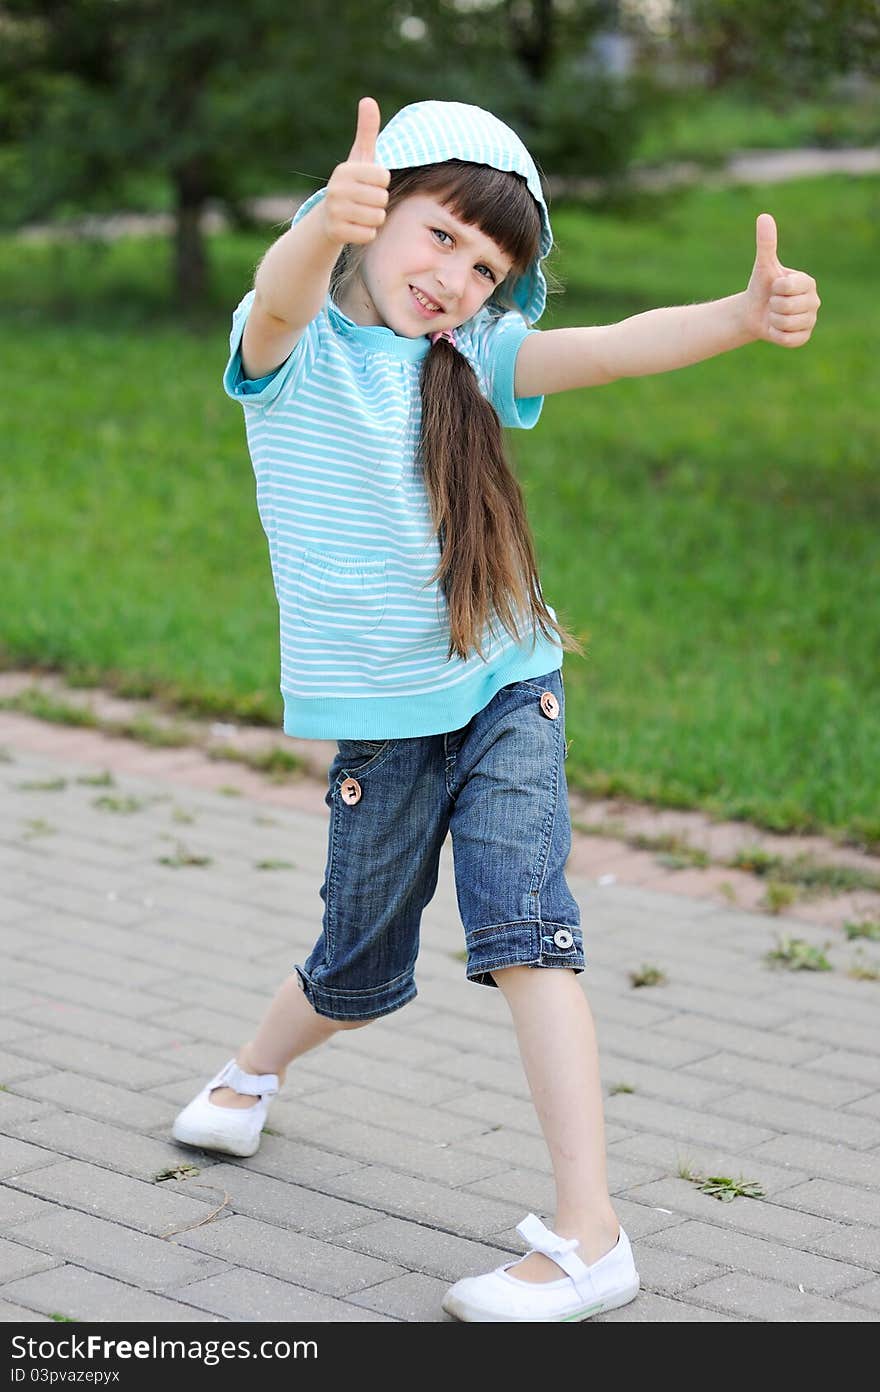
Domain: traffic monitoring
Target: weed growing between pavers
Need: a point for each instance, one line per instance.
(721, 1186)
(107, 803)
(38, 826)
(184, 857)
(46, 785)
(862, 970)
(778, 897)
(797, 955)
(620, 1087)
(274, 865)
(99, 780)
(176, 1172)
(648, 976)
(869, 928)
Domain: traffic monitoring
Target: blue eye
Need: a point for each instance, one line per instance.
(439, 232)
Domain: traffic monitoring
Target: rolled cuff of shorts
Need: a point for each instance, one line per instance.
(528, 943)
(357, 1005)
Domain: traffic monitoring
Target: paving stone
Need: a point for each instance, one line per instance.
(67, 957)
(447, 1163)
(154, 1208)
(17, 1260)
(413, 1297)
(839, 1201)
(82, 1138)
(670, 1153)
(17, 1314)
(432, 1251)
(83, 1295)
(101, 1061)
(752, 1297)
(91, 1097)
(431, 1124)
(16, 1109)
(275, 1201)
(405, 1196)
(706, 1127)
(867, 1296)
(819, 1159)
(667, 1272)
(242, 1295)
(751, 1215)
(805, 1084)
(18, 1157)
(651, 1308)
(840, 1064)
(114, 1250)
(664, 1084)
(656, 1046)
(783, 1113)
(776, 1261)
(866, 1106)
(838, 1032)
(15, 1207)
(316, 1265)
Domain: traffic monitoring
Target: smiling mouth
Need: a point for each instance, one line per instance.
(428, 306)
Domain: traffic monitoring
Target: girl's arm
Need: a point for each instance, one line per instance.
(293, 277)
(778, 306)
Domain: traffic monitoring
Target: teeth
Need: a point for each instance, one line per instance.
(429, 304)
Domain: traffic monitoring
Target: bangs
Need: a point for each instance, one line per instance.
(495, 200)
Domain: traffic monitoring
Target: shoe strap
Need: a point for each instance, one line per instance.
(252, 1084)
(561, 1250)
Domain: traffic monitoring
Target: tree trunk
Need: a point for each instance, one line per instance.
(190, 255)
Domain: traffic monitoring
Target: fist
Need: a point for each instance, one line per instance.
(780, 304)
(357, 192)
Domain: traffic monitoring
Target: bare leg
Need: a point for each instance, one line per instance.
(557, 1044)
(289, 1028)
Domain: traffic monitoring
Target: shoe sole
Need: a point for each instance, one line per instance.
(210, 1140)
(463, 1310)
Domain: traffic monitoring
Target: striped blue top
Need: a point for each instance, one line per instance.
(333, 437)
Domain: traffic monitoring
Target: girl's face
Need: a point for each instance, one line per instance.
(425, 271)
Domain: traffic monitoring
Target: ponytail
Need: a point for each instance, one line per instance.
(487, 566)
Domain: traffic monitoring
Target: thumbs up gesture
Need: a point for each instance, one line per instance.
(357, 191)
(780, 304)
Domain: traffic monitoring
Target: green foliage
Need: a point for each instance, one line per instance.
(711, 532)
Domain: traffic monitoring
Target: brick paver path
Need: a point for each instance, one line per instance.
(400, 1156)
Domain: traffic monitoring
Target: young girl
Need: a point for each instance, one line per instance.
(388, 338)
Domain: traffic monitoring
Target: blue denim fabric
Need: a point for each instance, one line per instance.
(498, 787)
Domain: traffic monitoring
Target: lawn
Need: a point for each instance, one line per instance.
(710, 533)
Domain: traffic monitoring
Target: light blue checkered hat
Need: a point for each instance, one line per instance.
(429, 132)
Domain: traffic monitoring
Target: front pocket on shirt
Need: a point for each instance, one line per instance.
(338, 593)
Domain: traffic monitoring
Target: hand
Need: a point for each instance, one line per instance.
(357, 191)
(780, 304)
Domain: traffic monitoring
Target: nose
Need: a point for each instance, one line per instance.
(452, 277)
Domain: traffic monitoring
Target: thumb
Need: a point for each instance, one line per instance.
(765, 235)
(364, 148)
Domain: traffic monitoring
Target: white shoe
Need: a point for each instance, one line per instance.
(585, 1290)
(235, 1130)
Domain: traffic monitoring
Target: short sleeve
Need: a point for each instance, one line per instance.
(261, 391)
(492, 343)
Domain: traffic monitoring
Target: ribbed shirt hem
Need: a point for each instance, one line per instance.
(410, 715)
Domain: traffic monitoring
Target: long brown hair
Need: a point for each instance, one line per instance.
(487, 563)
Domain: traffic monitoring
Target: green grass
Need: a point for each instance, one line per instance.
(710, 533)
(708, 126)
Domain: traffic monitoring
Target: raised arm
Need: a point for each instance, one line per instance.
(293, 276)
(779, 306)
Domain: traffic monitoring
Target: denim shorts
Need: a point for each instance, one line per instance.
(498, 787)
